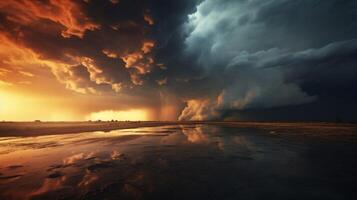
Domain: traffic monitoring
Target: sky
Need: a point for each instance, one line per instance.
(63, 60)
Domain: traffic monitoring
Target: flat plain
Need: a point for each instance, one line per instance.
(177, 160)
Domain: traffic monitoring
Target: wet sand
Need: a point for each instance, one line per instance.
(313, 129)
(192, 161)
(50, 128)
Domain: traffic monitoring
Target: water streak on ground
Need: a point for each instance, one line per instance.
(175, 162)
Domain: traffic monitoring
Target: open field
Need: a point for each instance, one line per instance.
(313, 129)
(178, 160)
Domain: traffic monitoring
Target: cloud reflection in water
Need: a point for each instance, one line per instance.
(187, 162)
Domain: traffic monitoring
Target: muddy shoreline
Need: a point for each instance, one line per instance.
(332, 130)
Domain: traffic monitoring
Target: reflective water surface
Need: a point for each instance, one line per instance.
(176, 162)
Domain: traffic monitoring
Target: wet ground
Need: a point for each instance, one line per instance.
(177, 162)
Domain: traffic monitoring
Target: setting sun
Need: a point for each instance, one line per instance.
(131, 115)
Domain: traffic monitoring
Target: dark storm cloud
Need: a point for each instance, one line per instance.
(264, 54)
(216, 57)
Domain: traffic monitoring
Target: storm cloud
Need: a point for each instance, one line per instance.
(261, 54)
(190, 60)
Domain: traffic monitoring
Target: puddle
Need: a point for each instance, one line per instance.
(175, 162)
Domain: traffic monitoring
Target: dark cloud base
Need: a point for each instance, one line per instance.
(211, 59)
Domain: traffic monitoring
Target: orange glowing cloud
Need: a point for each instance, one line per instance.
(148, 19)
(147, 46)
(19, 59)
(4, 83)
(96, 73)
(3, 72)
(131, 59)
(136, 79)
(162, 81)
(198, 109)
(66, 76)
(140, 61)
(26, 74)
(136, 61)
(64, 12)
(109, 53)
(47, 61)
(16, 60)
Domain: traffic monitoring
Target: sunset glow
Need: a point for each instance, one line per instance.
(131, 115)
(178, 99)
(183, 60)
(31, 108)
